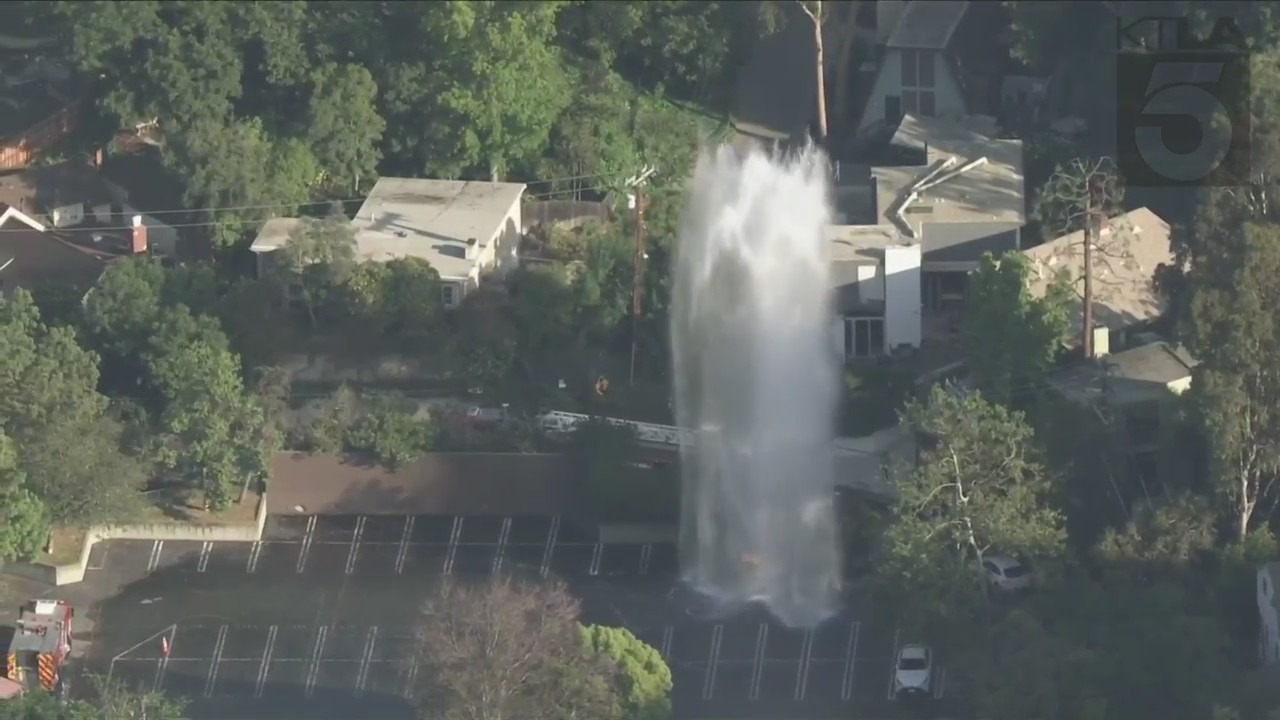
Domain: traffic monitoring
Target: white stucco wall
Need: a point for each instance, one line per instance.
(902, 296)
(948, 103)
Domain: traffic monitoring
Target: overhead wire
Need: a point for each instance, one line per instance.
(231, 208)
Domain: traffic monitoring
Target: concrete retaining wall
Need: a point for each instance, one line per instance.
(74, 572)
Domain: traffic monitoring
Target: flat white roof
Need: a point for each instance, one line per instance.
(432, 220)
(274, 234)
(967, 177)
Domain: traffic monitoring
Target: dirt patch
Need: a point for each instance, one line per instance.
(187, 506)
(65, 544)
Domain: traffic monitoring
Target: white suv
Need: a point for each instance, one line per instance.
(1005, 573)
(912, 671)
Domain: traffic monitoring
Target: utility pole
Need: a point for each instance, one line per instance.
(637, 286)
(1091, 231)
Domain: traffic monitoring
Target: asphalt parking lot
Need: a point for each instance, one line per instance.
(315, 621)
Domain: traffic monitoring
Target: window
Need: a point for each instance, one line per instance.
(918, 82)
(863, 337)
(448, 295)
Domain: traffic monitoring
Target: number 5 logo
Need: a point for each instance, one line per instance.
(1177, 89)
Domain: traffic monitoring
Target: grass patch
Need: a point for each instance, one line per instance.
(65, 544)
(186, 505)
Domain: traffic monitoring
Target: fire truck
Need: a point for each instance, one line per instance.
(39, 649)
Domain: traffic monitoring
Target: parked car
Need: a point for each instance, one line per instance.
(1006, 574)
(913, 670)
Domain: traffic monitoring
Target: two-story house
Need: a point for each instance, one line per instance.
(875, 275)
(464, 229)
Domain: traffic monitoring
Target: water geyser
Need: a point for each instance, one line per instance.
(756, 375)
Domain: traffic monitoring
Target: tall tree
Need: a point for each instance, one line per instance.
(317, 258)
(506, 650)
(978, 487)
(1234, 332)
(23, 518)
(344, 129)
(1011, 338)
(486, 101)
(643, 678)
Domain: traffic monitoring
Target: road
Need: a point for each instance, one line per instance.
(315, 621)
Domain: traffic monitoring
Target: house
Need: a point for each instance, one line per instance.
(921, 67)
(1129, 252)
(465, 229)
(1269, 613)
(61, 224)
(1136, 390)
(875, 276)
(39, 99)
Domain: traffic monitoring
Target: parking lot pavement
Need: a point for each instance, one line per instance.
(315, 621)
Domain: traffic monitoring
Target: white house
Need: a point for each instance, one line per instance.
(1269, 613)
(465, 229)
(916, 74)
(875, 275)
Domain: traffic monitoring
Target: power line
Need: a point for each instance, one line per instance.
(219, 223)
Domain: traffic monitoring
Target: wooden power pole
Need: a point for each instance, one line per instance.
(637, 280)
(1091, 228)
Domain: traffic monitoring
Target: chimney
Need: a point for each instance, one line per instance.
(139, 244)
(97, 159)
(472, 247)
(1101, 341)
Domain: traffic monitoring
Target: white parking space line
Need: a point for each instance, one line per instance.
(403, 552)
(102, 557)
(314, 670)
(709, 682)
(218, 645)
(162, 663)
(355, 544)
(646, 552)
(205, 551)
(366, 659)
(762, 639)
(154, 561)
(596, 553)
(265, 667)
(667, 632)
(307, 539)
(850, 659)
(802, 669)
(254, 552)
(411, 678)
(502, 544)
(552, 534)
(941, 685)
(893, 663)
(454, 537)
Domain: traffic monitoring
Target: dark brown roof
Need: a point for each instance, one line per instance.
(44, 258)
(43, 188)
(437, 484)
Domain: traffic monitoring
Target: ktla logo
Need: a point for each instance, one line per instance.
(1183, 102)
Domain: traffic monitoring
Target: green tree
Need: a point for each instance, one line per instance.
(1077, 188)
(328, 431)
(399, 298)
(109, 700)
(389, 431)
(343, 125)
(643, 680)
(488, 97)
(25, 518)
(1025, 671)
(318, 257)
(611, 480)
(1235, 334)
(122, 309)
(213, 433)
(1010, 337)
(978, 487)
(50, 408)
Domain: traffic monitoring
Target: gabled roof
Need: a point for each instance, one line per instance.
(927, 24)
(1130, 249)
(275, 233)
(1145, 372)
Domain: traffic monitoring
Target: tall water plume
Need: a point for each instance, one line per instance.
(756, 373)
